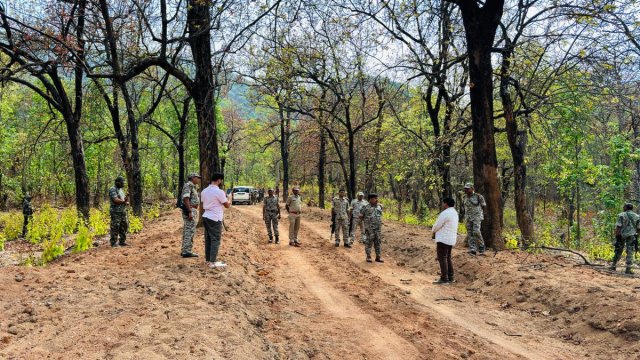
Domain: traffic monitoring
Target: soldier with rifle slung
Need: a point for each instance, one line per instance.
(626, 236)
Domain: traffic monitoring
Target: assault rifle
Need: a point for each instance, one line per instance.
(333, 225)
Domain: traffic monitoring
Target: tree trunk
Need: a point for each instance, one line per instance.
(322, 160)
(480, 28)
(204, 89)
(352, 185)
(285, 124)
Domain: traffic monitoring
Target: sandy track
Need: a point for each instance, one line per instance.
(502, 333)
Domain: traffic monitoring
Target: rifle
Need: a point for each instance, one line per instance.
(351, 223)
(333, 225)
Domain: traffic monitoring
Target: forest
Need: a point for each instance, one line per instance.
(536, 102)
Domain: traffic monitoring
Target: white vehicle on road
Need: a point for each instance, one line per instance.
(241, 194)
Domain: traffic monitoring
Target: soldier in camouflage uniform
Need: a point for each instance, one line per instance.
(474, 205)
(371, 214)
(190, 201)
(354, 215)
(340, 208)
(27, 212)
(271, 215)
(118, 211)
(626, 231)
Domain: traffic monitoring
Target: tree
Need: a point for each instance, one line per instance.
(40, 55)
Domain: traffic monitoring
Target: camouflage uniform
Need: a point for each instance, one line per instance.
(356, 206)
(294, 202)
(474, 215)
(119, 221)
(27, 211)
(372, 217)
(340, 207)
(271, 212)
(189, 228)
(628, 223)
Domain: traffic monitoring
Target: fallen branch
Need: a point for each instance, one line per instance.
(586, 262)
(506, 333)
(448, 299)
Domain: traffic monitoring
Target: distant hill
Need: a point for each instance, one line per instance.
(238, 95)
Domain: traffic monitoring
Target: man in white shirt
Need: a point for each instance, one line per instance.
(214, 201)
(445, 234)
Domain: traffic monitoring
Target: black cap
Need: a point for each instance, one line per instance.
(119, 179)
(372, 195)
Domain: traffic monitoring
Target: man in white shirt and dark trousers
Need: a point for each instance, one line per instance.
(445, 234)
(214, 201)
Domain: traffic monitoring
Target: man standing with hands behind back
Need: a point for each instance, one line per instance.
(214, 201)
(118, 211)
(294, 207)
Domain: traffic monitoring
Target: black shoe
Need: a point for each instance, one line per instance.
(114, 245)
(270, 241)
(451, 281)
(189, 255)
(297, 244)
(369, 259)
(472, 252)
(347, 246)
(440, 282)
(379, 260)
(124, 244)
(337, 244)
(291, 244)
(277, 240)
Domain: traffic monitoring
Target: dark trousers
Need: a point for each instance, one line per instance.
(212, 234)
(444, 258)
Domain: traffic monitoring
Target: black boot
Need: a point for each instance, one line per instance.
(270, 239)
(277, 240)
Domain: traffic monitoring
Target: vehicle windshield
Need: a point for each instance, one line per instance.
(240, 189)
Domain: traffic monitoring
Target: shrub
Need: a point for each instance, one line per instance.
(11, 223)
(2, 240)
(511, 238)
(152, 212)
(40, 226)
(135, 224)
(54, 246)
(69, 220)
(84, 240)
(98, 222)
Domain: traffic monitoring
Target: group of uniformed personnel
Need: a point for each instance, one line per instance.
(350, 217)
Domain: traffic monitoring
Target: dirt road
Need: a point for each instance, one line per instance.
(276, 302)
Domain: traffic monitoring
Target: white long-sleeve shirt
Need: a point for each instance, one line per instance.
(446, 227)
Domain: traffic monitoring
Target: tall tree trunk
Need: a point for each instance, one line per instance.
(322, 160)
(205, 87)
(352, 185)
(480, 29)
(72, 120)
(285, 130)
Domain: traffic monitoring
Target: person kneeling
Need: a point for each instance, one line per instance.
(445, 234)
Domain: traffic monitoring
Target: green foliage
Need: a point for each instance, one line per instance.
(98, 222)
(41, 225)
(135, 224)
(84, 240)
(11, 225)
(2, 241)
(152, 212)
(53, 247)
(512, 238)
(69, 220)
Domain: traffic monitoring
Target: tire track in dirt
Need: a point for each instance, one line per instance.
(372, 337)
(503, 330)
